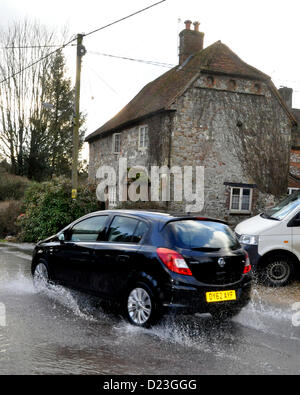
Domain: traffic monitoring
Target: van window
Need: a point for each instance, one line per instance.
(202, 235)
(285, 207)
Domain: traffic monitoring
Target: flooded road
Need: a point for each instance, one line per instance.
(60, 331)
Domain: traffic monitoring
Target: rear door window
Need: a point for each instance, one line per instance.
(122, 229)
(202, 235)
(90, 229)
(140, 230)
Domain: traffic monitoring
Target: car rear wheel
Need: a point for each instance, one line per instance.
(142, 308)
(278, 271)
(40, 275)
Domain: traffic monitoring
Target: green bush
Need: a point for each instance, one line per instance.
(49, 208)
(12, 187)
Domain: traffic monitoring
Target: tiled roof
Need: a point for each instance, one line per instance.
(159, 94)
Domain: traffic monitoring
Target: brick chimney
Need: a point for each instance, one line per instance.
(191, 41)
(287, 95)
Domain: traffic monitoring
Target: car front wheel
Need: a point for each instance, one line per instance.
(142, 308)
(40, 275)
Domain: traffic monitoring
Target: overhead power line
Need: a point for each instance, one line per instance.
(124, 18)
(84, 35)
(33, 46)
(151, 62)
(37, 61)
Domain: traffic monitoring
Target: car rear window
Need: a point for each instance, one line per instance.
(201, 235)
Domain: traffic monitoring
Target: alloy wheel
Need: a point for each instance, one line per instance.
(40, 276)
(139, 306)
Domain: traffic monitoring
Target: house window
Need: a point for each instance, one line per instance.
(292, 190)
(143, 137)
(116, 148)
(240, 200)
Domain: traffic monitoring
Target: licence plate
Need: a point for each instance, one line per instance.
(220, 296)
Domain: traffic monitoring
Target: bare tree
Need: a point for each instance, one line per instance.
(22, 91)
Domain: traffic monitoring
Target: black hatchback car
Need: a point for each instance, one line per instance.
(149, 263)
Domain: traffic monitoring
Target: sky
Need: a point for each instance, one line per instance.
(263, 33)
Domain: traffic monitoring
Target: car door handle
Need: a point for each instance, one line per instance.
(123, 258)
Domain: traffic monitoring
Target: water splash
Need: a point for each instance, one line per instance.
(79, 304)
(201, 334)
(19, 285)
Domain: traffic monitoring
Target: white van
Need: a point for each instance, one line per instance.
(272, 240)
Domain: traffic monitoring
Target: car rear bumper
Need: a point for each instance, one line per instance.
(190, 299)
(253, 254)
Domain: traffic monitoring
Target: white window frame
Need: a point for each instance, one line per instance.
(145, 138)
(291, 190)
(114, 143)
(240, 210)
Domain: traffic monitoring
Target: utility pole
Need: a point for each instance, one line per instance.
(81, 51)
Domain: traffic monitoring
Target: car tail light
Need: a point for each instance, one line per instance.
(247, 267)
(174, 261)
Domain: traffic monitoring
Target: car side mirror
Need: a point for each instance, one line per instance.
(61, 238)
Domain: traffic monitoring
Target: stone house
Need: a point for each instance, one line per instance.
(294, 174)
(211, 110)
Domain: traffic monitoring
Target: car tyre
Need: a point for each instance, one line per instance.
(278, 271)
(142, 307)
(41, 275)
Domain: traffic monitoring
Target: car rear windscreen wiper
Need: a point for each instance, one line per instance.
(205, 249)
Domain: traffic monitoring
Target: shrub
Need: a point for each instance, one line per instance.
(49, 208)
(9, 211)
(12, 187)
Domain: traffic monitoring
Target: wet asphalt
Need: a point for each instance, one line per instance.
(59, 331)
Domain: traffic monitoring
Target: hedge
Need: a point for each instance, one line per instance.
(49, 208)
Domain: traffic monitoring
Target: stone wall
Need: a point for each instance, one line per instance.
(157, 153)
(208, 117)
(295, 162)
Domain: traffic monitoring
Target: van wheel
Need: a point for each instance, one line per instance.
(142, 307)
(278, 270)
